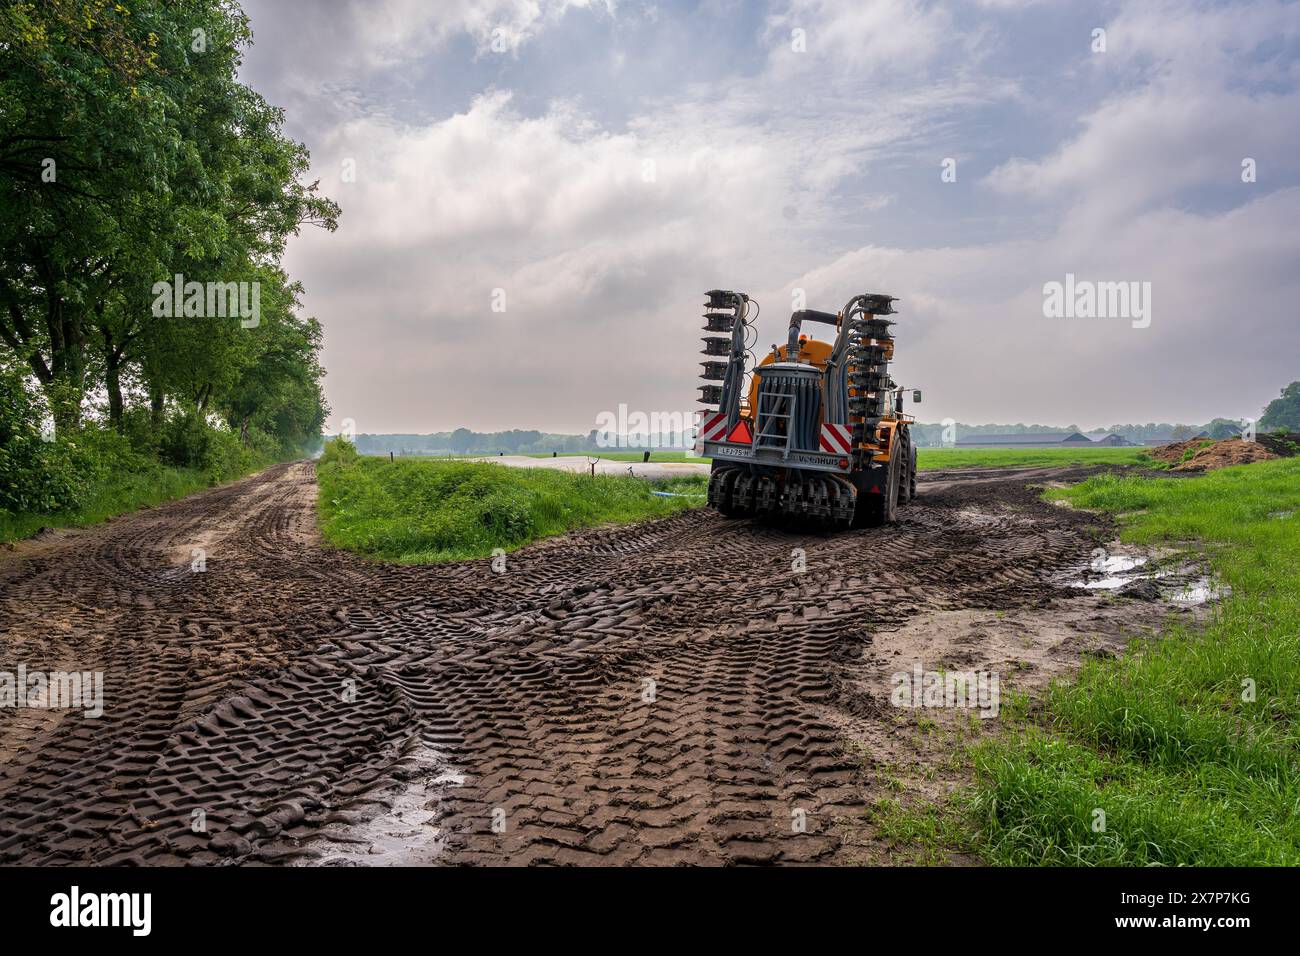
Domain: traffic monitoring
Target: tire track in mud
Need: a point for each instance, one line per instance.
(647, 694)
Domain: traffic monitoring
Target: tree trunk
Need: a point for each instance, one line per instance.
(64, 393)
(63, 321)
(157, 400)
(113, 383)
(62, 376)
(112, 371)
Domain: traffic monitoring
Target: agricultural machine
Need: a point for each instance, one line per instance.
(815, 433)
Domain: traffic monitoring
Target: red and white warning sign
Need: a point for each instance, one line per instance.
(713, 425)
(741, 435)
(837, 439)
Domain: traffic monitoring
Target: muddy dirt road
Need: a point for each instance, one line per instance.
(672, 692)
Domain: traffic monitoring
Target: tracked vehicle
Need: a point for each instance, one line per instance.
(815, 433)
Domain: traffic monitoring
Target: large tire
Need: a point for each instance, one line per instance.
(905, 482)
(876, 510)
(720, 488)
(890, 507)
(911, 477)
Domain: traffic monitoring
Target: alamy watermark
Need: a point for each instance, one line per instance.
(208, 300)
(635, 429)
(75, 909)
(53, 690)
(1085, 299)
(967, 690)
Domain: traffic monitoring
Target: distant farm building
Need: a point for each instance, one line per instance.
(1113, 440)
(1027, 440)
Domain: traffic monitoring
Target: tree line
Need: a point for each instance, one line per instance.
(463, 441)
(133, 163)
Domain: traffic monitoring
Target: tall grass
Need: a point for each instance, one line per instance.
(110, 496)
(1189, 744)
(419, 511)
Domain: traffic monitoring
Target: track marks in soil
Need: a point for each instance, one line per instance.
(669, 692)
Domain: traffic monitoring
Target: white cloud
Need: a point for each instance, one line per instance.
(775, 175)
(886, 36)
(1190, 121)
(388, 32)
(522, 187)
(972, 333)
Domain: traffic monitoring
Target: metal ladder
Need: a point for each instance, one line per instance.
(763, 440)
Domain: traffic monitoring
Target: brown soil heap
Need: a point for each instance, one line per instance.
(1207, 455)
(1283, 444)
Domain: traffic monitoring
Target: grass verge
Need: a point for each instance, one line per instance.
(418, 511)
(110, 496)
(1184, 751)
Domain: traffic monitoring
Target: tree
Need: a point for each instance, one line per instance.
(461, 440)
(1283, 413)
(278, 389)
(81, 144)
(129, 152)
(1222, 428)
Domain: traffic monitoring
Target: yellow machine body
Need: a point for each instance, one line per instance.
(775, 452)
(816, 352)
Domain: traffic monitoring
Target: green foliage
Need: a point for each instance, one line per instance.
(130, 152)
(420, 511)
(1168, 742)
(1283, 413)
(1222, 428)
(95, 472)
(34, 473)
(120, 492)
(187, 441)
(337, 451)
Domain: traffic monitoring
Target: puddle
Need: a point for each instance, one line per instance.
(1113, 570)
(401, 835)
(1199, 592)
(982, 518)
(1132, 575)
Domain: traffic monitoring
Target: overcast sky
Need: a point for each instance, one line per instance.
(605, 161)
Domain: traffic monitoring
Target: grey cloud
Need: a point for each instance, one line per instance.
(466, 189)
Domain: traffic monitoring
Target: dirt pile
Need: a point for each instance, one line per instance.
(1282, 444)
(1204, 454)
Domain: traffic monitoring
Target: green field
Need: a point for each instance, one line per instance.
(929, 459)
(421, 510)
(1167, 742)
(674, 456)
(424, 508)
